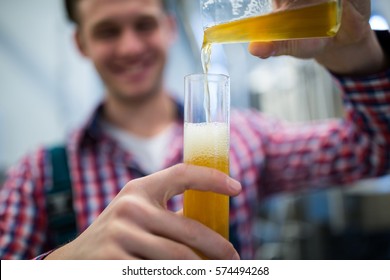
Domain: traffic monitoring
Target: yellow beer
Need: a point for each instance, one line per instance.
(207, 144)
(319, 20)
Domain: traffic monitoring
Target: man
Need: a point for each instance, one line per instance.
(128, 41)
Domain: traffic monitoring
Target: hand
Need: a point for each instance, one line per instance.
(137, 224)
(353, 51)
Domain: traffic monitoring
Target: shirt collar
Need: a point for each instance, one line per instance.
(91, 132)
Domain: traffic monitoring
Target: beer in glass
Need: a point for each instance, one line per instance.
(206, 143)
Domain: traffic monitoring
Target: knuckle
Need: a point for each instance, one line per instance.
(220, 249)
(111, 233)
(226, 250)
(181, 252)
(181, 170)
(217, 177)
(132, 186)
(191, 230)
(132, 207)
(214, 174)
(112, 254)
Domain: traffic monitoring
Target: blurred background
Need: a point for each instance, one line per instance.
(47, 88)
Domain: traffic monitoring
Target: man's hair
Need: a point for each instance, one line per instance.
(71, 9)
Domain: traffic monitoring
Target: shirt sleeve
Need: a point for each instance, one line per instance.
(336, 151)
(22, 210)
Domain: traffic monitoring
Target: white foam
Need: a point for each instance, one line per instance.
(206, 138)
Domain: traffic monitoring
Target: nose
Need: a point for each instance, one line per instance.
(130, 43)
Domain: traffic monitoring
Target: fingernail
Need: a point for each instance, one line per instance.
(268, 55)
(273, 52)
(234, 185)
(236, 256)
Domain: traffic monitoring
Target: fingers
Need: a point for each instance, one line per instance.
(191, 233)
(149, 232)
(175, 180)
(262, 49)
(278, 48)
(302, 48)
(149, 246)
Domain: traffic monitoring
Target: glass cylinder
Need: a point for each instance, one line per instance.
(206, 143)
(229, 21)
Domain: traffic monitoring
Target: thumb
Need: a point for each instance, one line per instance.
(163, 185)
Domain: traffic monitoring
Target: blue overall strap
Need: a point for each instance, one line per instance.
(233, 233)
(61, 217)
(384, 40)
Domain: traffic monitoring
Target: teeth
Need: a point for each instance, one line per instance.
(134, 69)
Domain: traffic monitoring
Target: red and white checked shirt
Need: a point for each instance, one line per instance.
(266, 156)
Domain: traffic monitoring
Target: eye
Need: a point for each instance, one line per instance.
(146, 25)
(106, 32)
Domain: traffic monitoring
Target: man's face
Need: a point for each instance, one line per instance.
(128, 41)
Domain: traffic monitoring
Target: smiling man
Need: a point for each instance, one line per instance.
(128, 42)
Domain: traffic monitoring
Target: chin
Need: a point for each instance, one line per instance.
(132, 96)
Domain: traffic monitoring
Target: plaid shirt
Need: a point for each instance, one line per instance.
(266, 156)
